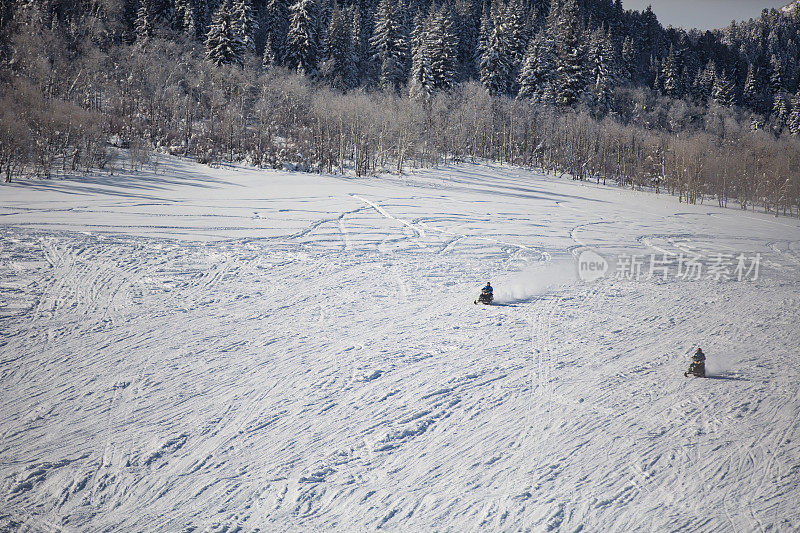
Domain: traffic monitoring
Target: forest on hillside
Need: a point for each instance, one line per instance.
(578, 87)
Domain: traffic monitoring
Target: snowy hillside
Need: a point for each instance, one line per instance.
(232, 350)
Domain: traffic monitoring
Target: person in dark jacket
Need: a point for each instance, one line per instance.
(699, 356)
(698, 365)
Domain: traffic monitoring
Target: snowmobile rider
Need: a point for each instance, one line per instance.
(698, 365)
(486, 296)
(699, 356)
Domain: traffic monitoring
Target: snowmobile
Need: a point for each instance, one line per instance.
(697, 368)
(485, 298)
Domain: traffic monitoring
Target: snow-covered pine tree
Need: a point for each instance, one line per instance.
(360, 47)
(485, 29)
(703, 85)
(536, 78)
(780, 110)
(529, 79)
(203, 14)
(442, 46)
(302, 46)
(420, 83)
(686, 62)
(467, 21)
(628, 58)
(276, 27)
(775, 75)
(651, 41)
(185, 18)
(670, 76)
(750, 92)
(519, 19)
(143, 25)
(408, 26)
(603, 69)
(246, 23)
(497, 66)
(224, 43)
(154, 15)
(724, 91)
(339, 68)
(324, 12)
(793, 122)
(268, 58)
(566, 27)
(655, 73)
(390, 44)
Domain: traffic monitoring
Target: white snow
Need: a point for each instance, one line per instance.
(231, 350)
(791, 8)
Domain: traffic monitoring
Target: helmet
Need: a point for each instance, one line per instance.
(699, 350)
(488, 283)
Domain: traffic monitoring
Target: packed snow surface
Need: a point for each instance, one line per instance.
(229, 349)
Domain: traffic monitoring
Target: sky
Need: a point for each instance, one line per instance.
(703, 14)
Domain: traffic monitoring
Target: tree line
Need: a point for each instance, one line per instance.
(68, 86)
(560, 52)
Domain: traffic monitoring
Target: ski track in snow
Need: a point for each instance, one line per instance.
(241, 350)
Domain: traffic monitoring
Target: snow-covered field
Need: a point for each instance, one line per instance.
(240, 350)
